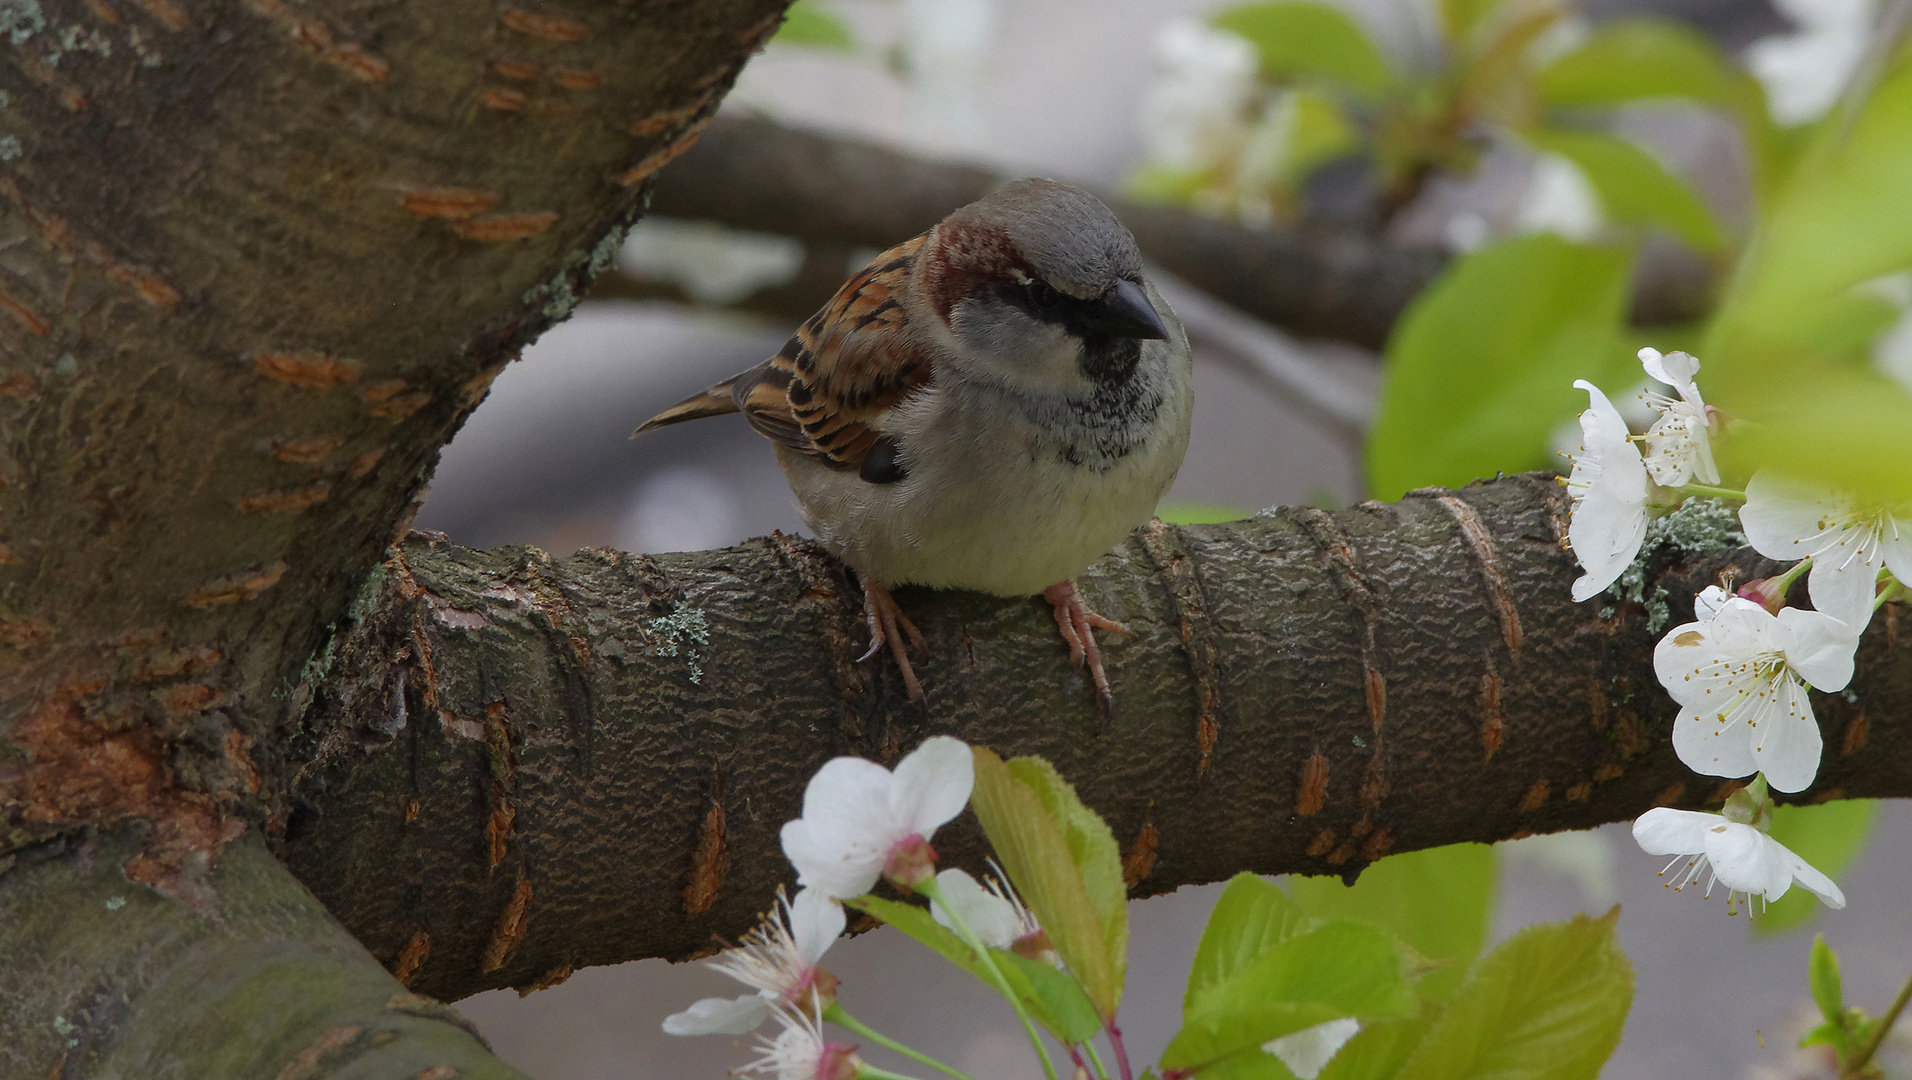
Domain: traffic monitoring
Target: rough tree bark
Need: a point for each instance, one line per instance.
(257, 261)
(521, 765)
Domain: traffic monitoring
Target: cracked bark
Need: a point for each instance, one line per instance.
(530, 765)
(257, 261)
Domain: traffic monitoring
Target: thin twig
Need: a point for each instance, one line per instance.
(1857, 1066)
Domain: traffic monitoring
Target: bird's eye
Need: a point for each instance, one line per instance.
(1043, 294)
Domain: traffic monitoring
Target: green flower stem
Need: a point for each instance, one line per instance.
(1893, 590)
(1856, 1068)
(931, 889)
(1712, 492)
(1095, 1059)
(1785, 580)
(866, 1071)
(836, 1014)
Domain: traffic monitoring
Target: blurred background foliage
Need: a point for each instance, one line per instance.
(1722, 176)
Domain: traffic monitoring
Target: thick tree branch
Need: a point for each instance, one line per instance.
(253, 979)
(1314, 283)
(753, 174)
(521, 765)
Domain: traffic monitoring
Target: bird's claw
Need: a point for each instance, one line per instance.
(1078, 625)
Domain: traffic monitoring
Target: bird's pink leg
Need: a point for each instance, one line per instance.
(889, 626)
(1078, 625)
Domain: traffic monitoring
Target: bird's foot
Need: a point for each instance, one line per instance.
(1078, 625)
(889, 626)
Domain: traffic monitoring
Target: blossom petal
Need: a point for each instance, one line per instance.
(720, 1016)
(1818, 646)
(1675, 369)
(1843, 580)
(816, 921)
(1710, 601)
(1895, 544)
(1308, 1051)
(1693, 667)
(1787, 744)
(828, 866)
(989, 916)
(1812, 880)
(1601, 424)
(1665, 831)
(1606, 533)
(1747, 860)
(932, 785)
(1784, 520)
(1707, 745)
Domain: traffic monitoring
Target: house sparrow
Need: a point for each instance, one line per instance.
(992, 405)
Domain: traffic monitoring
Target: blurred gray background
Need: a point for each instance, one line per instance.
(1048, 87)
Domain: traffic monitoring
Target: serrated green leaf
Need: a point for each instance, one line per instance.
(1381, 1048)
(1306, 39)
(1822, 971)
(1633, 187)
(1635, 59)
(1480, 370)
(1248, 1065)
(1035, 853)
(1252, 916)
(1332, 971)
(807, 23)
(1828, 836)
(1093, 849)
(1437, 901)
(1053, 997)
(1548, 1004)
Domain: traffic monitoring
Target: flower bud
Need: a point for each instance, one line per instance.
(1766, 592)
(911, 862)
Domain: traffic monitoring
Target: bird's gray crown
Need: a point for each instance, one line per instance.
(1066, 235)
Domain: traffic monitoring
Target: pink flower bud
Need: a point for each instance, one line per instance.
(1766, 592)
(911, 862)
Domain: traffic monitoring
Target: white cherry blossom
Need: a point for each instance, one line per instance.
(779, 959)
(1740, 676)
(993, 912)
(800, 1052)
(1739, 856)
(1308, 1051)
(862, 822)
(1609, 487)
(1678, 445)
(1848, 542)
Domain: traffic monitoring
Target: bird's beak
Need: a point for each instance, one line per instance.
(1125, 312)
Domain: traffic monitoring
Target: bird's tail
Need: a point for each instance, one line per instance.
(715, 401)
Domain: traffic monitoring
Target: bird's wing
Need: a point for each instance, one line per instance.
(846, 366)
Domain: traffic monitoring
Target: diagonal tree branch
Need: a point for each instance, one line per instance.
(518, 765)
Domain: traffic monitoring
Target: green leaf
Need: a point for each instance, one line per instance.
(1831, 1033)
(1633, 187)
(1480, 370)
(1306, 39)
(1038, 851)
(1331, 971)
(807, 23)
(916, 921)
(1547, 1005)
(1630, 60)
(1789, 347)
(1460, 17)
(1828, 837)
(1096, 855)
(1823, 973)
(1053, 997)
(1248, 1065)
(1380, 1049)
(1251, 917)
(1437, 901)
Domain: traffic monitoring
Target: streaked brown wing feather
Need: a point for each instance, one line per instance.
(847, 365)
